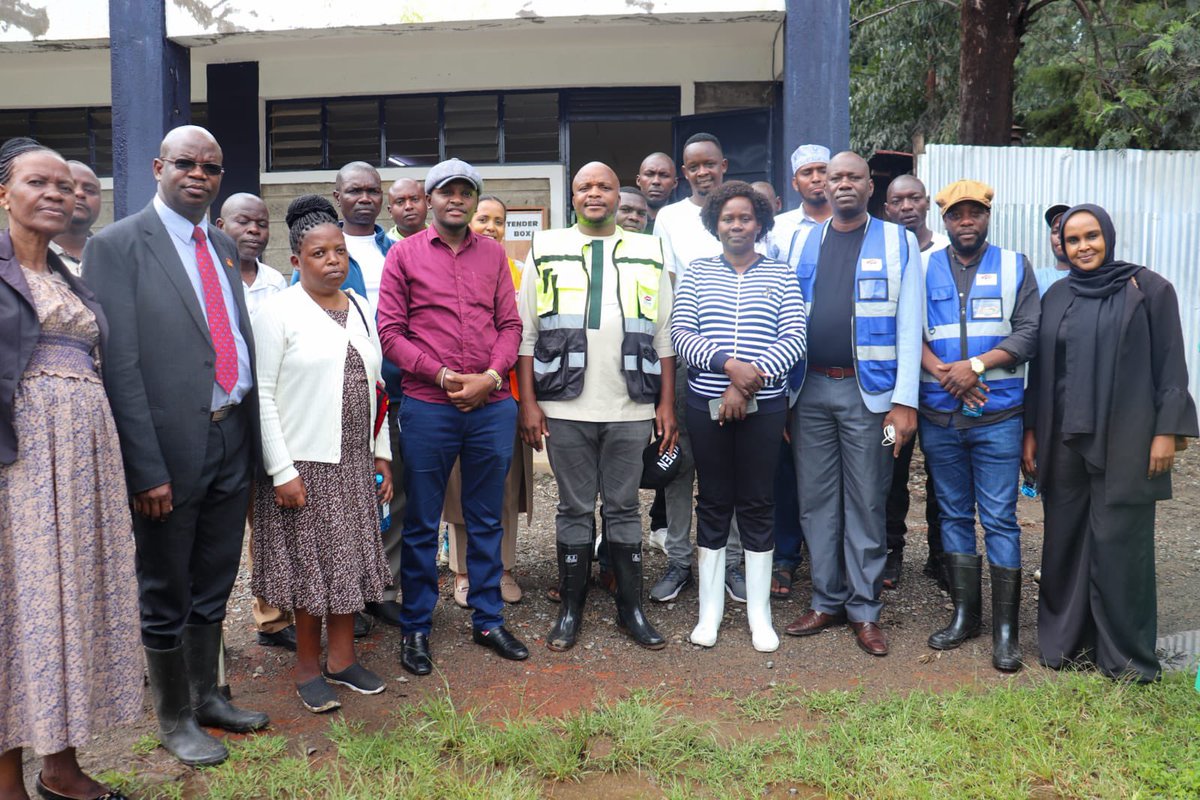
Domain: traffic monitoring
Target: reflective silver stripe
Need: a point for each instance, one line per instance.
(807, 308)
(928, 378)
(648, 367)
(555, 321)
(974, 329)
(1004, 374)
(875, 353)
(637, 325)
(545, 367)
(875, 308)
(1008, 282)
(891, 260)
(576, 360)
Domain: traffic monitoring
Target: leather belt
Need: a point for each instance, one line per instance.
(837, 373)
(222, 412)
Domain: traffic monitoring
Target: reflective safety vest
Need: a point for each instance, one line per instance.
(956, 332)
(881, 262)
(563, 286)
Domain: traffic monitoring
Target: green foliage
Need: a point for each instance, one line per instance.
(903, 74)
(1124, 74)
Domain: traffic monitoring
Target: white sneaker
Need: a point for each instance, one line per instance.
(658, 538)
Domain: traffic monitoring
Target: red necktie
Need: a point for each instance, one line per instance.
(218, 319)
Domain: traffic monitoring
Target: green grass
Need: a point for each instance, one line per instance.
(1080, 735)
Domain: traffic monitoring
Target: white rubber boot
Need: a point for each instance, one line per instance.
(711, 566)
(758, 601)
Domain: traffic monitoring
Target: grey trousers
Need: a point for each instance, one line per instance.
(842, 475)
(391, 537)
(597, 457)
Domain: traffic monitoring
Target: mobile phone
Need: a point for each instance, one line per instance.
(714, 407)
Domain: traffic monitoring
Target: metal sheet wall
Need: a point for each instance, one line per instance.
(1153, 197)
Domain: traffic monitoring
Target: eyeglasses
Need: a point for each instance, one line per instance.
(187, 165)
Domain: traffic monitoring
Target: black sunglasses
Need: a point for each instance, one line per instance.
(187, 165)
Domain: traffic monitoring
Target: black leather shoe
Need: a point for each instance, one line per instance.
(414, 654)
(49, 794)
(362, 625)
(284, 637)
(387, 612)
(504, 643)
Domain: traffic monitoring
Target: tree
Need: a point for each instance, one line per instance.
(990, 37)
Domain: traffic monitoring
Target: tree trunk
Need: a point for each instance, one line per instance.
(990, 40)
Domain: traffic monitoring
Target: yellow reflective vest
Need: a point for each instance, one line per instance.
(563, 285)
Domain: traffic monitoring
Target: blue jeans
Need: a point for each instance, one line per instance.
(434, 436)
(977, 467)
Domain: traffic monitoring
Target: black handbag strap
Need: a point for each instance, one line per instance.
(361, 316)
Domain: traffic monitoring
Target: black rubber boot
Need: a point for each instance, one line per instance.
(178, 730)
(964, 571)
(574, 571)
(627, 568)
(1006, 608)
(201, 646)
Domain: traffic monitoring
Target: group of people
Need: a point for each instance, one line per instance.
(774, 368)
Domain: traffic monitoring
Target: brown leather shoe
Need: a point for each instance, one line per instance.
(870, 637)
(813, 621)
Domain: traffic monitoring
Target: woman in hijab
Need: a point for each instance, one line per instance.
(1107, 404)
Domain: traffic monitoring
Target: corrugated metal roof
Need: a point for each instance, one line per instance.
(1152, 196)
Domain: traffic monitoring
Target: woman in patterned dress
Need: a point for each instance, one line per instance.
(70, 660)
(317, 548)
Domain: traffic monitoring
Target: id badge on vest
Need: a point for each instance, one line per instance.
(987, 308)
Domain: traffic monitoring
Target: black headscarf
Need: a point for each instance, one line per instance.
(1092, 325)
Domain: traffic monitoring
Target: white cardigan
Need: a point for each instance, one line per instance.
(301, 356)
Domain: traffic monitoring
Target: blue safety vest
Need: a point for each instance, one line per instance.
(881, 263)
(985, 321)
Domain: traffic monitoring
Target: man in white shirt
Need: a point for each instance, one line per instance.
(245, 219)
(358, 194)
(408, 206)
(809, 162)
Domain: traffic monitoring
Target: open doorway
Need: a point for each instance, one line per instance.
(622, 144)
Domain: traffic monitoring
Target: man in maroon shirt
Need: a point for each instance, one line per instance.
(448, 320)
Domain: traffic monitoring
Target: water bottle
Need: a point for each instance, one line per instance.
(385, 509)
(972, 411)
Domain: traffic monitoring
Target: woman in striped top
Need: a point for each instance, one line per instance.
(738, 322)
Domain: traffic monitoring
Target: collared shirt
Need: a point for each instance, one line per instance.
(788, 236)
(1021, 343)
(438, 308)
(69, 261)
(605, 396)
(180, 230)
(684, 237)
(267, 282)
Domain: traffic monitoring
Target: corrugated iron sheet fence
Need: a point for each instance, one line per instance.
(1153, 197)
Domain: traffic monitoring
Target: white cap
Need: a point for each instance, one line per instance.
(807, 154)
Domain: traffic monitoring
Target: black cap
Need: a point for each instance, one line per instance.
(658, 471)
(1053, 212)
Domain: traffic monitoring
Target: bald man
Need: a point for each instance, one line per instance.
(245, 219)
(856, 398)
(597, 379)
(408, 208)
(179, 372)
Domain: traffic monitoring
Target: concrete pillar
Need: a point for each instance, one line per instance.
(151, 94)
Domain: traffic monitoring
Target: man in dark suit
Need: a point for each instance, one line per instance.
(179, 372)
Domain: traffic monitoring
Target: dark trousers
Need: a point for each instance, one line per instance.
(735, 468)
(1097, 599)
(789, 536)
(435, 436)
(393, 535)
(898, 502)
(186, 565)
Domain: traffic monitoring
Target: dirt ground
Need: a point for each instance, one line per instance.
(606, 664)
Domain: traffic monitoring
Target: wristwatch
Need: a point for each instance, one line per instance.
(977, 365)
(491, 373)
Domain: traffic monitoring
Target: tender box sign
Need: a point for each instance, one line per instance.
(522, 224)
